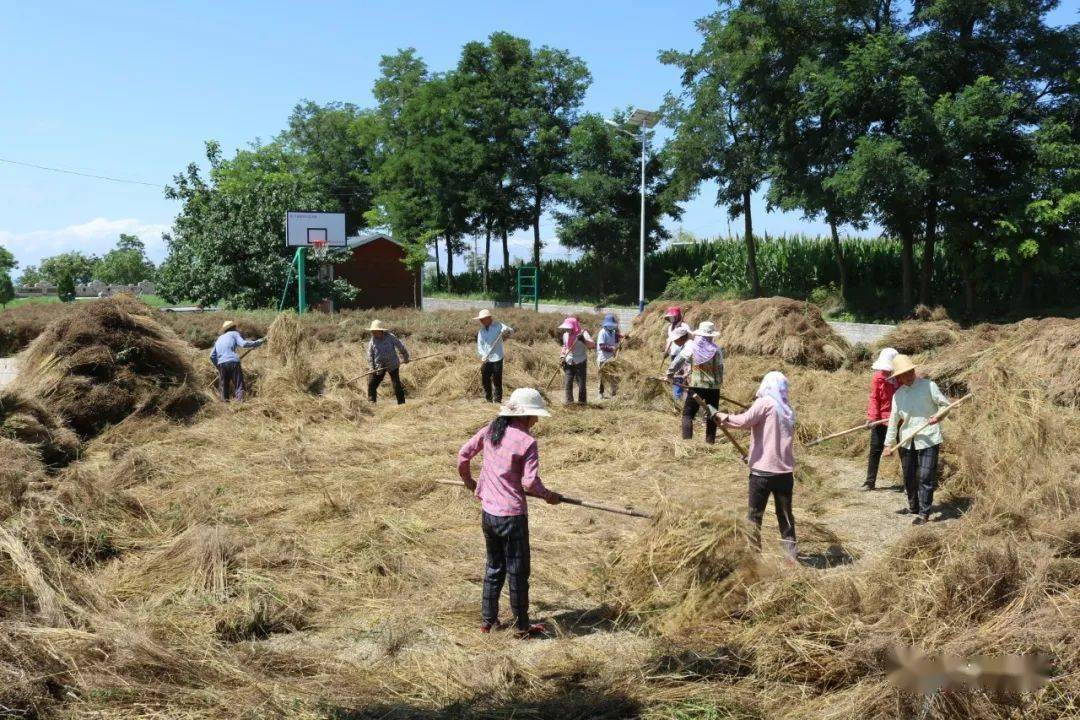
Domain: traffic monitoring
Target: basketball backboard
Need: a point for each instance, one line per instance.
(303, 229)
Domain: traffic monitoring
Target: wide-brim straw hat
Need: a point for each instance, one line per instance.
(227, 325)
(901, 364)
(524, 402)
(706, 329)
(485, 313)
(377, 325)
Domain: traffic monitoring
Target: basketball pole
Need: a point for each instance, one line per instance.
(301, 284)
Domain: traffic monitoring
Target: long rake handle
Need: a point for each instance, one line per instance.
(375, 370)
(492, 348)
(936, 416)
(631, 512)
(857, 428)
(710, 411)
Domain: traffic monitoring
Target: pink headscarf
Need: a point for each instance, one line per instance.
(674, 314)
(573, 330)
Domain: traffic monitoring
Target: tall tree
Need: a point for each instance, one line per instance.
(126, 264)
(7, 260)
(717, 135)
(7, 289)
(77, 265)
(602, 197)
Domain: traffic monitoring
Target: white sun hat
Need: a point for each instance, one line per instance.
(485, 313)
(885, 359)
(679, 332)
(376, 325)
(706, 329)
(524, 402)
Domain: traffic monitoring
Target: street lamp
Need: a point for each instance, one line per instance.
(643, 119)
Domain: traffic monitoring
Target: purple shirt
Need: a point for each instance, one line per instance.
(770, 441)
(509, 472)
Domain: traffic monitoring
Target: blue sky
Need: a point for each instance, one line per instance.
(133, 89)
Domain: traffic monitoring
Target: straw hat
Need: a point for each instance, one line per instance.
(485, 313)
(706, 329)
(376, 325)
(524, 402)
(901, 364)
(227, 326)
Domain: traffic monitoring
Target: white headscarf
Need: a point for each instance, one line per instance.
(775, 386)
(884, 359)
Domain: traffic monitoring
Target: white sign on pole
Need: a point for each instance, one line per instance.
(303, 228)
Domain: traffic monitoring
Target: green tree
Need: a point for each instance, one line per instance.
(717, 128)
(30, 276)
(7, 289)
(65, 287)
(126, 264)
(228, 240)
(602, 200)
(76, 265)
(7, 261)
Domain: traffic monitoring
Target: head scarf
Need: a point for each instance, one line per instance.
(884, 359)
(572, 332)
(704, 349)
(674, 314)
(775, 386)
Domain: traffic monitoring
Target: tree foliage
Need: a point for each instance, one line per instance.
(7, 288)
(77, 266)
(126, 264)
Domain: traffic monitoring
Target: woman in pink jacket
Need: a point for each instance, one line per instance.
(771, 422)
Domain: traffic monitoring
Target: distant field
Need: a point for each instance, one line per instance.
(152, 300)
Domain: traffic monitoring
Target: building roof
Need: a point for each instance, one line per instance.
(363, 238)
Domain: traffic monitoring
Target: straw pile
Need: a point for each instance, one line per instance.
(778, 327)
(290, 351)
(688, 565)
(275, 555)
(108, 360)
(28, 422)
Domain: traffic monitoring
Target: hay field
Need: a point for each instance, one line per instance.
(292, 557)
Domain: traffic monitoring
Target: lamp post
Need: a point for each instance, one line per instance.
(643, 119)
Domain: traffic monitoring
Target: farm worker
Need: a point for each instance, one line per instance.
(576, 344)
(676, 329)
(878, 406)
(383, 350)
(771, 421)
(511, 470)
(227, 360)
(607, 348)
(489, 346)
(706, 363)
(916, 401)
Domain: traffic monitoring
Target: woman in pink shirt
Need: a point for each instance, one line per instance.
(511, 470)
(771, 421)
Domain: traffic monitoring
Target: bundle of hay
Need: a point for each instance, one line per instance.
(28, 422)
(107, 360)
(917, 336)
(290, 348)
(1045, 353)
(19, 466)
(779, 327)
(689, 567)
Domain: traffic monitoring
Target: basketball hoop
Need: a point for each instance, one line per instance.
(319, 248)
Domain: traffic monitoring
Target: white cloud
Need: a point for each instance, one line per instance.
(94, 237)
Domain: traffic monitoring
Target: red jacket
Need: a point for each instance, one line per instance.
(881, 393)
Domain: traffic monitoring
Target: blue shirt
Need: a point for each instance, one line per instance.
(225, 347)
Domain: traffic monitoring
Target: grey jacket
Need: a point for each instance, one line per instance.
(383, 354)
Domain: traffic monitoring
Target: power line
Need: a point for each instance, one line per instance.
(81, 174)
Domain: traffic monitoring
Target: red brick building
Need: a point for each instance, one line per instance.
(377, 271)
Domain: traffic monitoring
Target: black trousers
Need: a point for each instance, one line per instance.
(395, 379)
(877, 445)
(491, 379)
(920, 477)
(571, 374)
(507, 542)
(690, 410)
(781, 488)
(231, 380)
